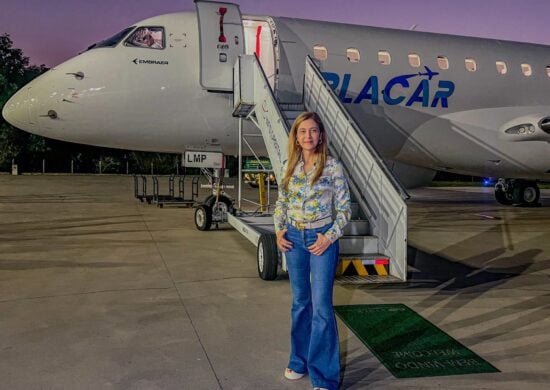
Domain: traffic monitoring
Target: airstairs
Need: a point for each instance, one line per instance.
(374, 245)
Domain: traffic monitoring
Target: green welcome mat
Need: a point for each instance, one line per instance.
(409, 345)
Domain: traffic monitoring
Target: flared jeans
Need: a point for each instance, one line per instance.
(314, 334)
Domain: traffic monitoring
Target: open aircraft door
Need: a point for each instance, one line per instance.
(221, 42)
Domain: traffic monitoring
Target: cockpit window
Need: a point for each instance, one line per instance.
(112, 41)
(148, 37)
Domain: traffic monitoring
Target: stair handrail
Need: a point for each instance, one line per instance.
(377, 158)
(267, 86)
(383, 200)
(267, 103)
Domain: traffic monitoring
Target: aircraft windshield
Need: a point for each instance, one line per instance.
(112, 41)
(151, 37)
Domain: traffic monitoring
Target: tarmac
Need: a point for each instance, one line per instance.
(100, 291)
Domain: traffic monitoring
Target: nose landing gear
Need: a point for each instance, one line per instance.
(517, 192)
(213, 210)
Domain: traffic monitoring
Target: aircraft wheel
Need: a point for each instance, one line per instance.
(526, 193)
(267, 257)
(203, 217)
(503, 197)
(210, 199)
(226, 203)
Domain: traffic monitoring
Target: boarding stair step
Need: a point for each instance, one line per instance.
(243, 109)
(367, 279)
(357, 227)
(290, 117)
(356, 212)
(364, 268)
(358, 244)
(291, 111)
(366, 258)
(300, 107)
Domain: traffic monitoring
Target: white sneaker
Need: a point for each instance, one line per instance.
(293, 375)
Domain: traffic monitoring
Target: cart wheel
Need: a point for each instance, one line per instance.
(267, 257)
(203, 217)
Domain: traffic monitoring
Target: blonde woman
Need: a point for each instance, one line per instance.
(313, 185)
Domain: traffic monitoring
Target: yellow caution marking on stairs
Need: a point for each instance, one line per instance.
(360, 268)
(381, 270)
(363, 267)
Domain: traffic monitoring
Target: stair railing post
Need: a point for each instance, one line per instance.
(240, 178)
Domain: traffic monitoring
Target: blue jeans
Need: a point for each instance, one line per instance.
(314, 335)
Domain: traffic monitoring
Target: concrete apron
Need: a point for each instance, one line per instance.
(99, 291)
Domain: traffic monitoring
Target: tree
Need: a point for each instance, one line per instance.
(15, 72)
(6, 89)
(14, 66)
(12, 61)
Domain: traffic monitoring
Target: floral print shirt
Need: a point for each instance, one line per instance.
(304, 202)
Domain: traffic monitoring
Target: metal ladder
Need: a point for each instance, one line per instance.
(374, 245)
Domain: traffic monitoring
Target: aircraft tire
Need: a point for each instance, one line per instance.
(526, 193)
(503, 197)
(203, 217)
(267, 257)
(211, 200)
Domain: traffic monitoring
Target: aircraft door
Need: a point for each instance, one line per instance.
(259, 37)
(221, 42)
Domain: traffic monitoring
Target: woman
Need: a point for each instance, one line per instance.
(312, 184)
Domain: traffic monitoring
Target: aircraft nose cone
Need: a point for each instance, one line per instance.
(16, 110)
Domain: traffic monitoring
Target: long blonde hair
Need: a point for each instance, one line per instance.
(295, 150)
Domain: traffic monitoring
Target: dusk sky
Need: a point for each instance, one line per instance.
(51, 31)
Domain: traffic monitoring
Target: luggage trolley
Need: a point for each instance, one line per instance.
(178, 201)
(141, 195)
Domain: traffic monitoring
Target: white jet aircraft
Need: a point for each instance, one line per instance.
(427, 102)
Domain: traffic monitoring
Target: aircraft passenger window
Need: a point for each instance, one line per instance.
(320, 52)
(443, 62)
(470, 64)
(548, 70)
(148, 37)
(414, 60)
(353, 55)
(501, 67)
(526, 69)
(384, 57)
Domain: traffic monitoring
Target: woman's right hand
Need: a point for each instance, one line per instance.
(283, 244)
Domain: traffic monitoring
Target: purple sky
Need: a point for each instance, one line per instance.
(51, 31)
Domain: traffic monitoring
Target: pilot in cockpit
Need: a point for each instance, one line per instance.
(146, 37)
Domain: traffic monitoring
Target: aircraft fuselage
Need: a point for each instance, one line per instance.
(466, 118)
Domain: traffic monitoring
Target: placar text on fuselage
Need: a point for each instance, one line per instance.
(410, 93)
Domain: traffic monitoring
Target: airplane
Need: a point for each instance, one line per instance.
(484, 112)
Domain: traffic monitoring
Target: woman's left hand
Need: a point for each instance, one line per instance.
(320, 245)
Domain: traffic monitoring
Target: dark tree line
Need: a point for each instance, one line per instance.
(29, 150)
